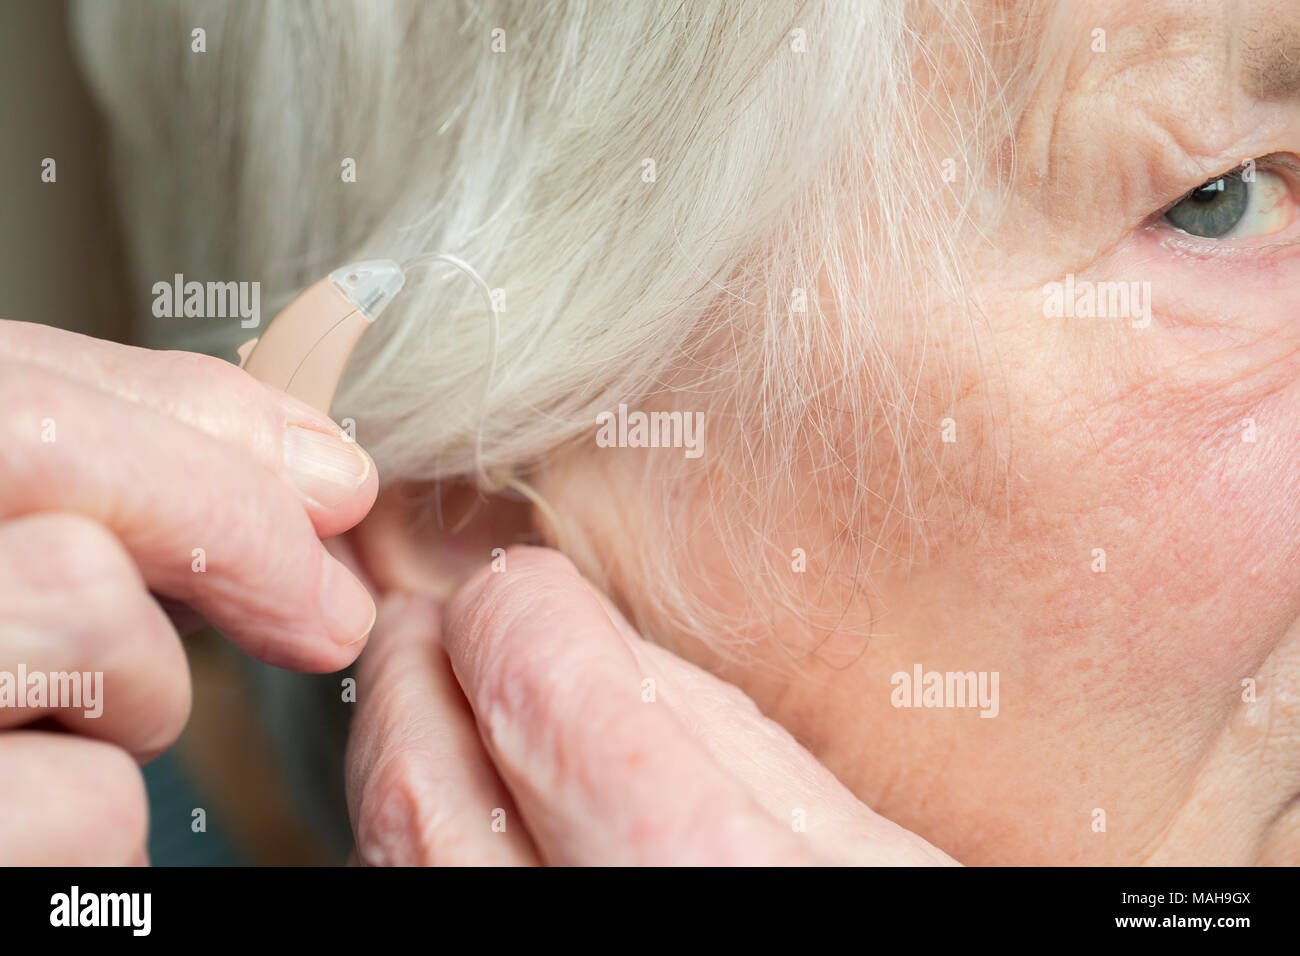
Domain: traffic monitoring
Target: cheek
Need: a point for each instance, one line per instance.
(1218, 490)
(1170, 448)
(1156, 515)
(1212, 425)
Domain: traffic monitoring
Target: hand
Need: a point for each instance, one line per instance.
(125, 474)
(527, 704)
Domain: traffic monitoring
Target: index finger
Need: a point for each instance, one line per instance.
(333, 477)
(421, 790)
(205, 526)
(600, 774)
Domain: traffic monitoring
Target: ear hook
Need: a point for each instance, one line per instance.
(493, 333)
(306, 347)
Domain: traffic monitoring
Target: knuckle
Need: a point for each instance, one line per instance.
(545, 682)
(543, 719)
(72, 553)
(23, 388)
(532, 695)
(189, 367)
(193, 374)
(76, 565)
(407, 815)
(524, 688)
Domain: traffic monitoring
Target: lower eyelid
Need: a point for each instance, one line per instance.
(1223, 250)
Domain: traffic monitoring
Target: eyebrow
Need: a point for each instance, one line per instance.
(1271, 66)
(1269, 50)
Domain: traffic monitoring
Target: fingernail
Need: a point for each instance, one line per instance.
(324, 468)
(349, 610)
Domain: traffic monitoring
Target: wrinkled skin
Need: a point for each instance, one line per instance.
(1149, 706)
(1114, 535)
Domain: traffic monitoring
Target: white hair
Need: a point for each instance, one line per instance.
(748, 209)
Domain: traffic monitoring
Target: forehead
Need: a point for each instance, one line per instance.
(1181, 84)
(1215, 45)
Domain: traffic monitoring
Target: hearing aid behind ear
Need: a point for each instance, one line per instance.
(306, 347)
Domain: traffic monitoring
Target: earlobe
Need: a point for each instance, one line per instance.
(430, 538)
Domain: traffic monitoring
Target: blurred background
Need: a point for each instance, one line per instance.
(61, 264)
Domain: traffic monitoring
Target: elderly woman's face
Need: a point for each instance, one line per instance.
(1138, 583)
(1120, 544)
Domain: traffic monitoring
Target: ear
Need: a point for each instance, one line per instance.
(430, 538)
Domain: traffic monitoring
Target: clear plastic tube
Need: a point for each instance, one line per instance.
(493, 335)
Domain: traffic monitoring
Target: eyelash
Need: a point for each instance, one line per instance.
(1284, 165)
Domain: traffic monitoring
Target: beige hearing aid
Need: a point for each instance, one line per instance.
(306, 347)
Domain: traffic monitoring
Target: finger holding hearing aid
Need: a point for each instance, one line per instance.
(217, 487)
(333, 476)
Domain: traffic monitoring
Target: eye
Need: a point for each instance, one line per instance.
(1233, 206)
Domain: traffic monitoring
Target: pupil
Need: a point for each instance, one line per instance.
(1209, 192)
(1212, 210)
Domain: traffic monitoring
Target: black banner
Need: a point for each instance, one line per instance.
(1168, 908)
